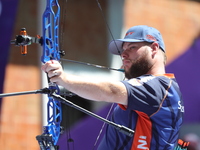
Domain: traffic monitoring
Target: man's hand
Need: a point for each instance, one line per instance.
(54, 71)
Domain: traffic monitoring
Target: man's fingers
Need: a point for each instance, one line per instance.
(50, 65)
(53, 73)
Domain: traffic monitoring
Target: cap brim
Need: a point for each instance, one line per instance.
(115, 46)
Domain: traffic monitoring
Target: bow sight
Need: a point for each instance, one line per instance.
(23, 40)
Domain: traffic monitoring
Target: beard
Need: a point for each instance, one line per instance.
(139, 67)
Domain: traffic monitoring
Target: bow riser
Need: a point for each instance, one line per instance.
(51, 18)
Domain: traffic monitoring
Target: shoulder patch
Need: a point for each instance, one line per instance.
(140, 81)
(135, 82)
(146, 78)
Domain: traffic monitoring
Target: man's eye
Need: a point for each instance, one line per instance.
(132, 47)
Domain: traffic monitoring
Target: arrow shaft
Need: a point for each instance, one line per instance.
(94, 65)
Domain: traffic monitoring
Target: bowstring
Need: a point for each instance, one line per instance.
(62, 33)
(108, 27)
(69, 139)
(110, 32)
(101, 130)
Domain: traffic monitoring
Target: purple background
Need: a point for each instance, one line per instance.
(7, 19)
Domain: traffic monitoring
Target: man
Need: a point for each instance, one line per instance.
(149, 101)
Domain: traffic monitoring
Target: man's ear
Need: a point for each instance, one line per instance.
(154, 48)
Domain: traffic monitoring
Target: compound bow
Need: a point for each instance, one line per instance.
(50, 43)
(51, 51)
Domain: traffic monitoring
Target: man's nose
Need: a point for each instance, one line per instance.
(124, 53)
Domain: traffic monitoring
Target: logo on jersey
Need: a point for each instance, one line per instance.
(135, 82)
(142, 143)
(139, 82)
(180, 106)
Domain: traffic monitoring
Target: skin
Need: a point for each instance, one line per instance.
(142, 58)
(134, 54)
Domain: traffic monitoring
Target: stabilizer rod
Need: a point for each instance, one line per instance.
(120, 128)
(41, 91)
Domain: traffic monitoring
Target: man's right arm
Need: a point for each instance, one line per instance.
(97, 90)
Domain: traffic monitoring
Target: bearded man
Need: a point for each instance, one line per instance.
(149, 100)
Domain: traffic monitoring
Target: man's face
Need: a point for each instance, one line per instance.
(136, 59)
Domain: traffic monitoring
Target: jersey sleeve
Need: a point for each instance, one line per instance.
(146, 93)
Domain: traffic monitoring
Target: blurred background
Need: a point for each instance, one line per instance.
(84, 36)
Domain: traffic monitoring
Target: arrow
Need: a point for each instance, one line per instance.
(93, 65)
